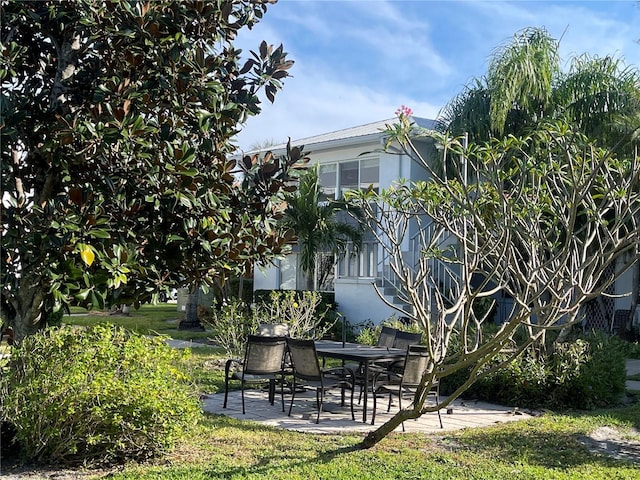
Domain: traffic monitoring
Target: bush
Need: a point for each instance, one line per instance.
(583, 374)
(369, 334)
(303, 312)
(230, 324)
(102, 395)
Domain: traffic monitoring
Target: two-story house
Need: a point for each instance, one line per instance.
(349, 159)
(354, 158)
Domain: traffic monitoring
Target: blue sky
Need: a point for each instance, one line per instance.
(357, 61)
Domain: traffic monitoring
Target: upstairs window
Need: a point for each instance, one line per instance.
(338, 178)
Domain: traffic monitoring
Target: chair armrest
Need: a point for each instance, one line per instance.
(227, 365)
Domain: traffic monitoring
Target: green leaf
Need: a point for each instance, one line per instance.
(99, 233)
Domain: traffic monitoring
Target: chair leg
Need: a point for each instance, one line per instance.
(400, 404)
(227, 366)
(293, 395)
(272, 391)
(437, 405)
(282, 392)
(242, 394)
(375, 402)
(319, 398)
(353, 415)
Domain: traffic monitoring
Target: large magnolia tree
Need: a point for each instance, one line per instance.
(117, 126)
(545, 218)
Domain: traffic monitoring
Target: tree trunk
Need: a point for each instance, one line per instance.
(389, 426)
(25, 315)
(191, 321)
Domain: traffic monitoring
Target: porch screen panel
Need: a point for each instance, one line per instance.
(349, 178)
(327, 175)
(370, 174)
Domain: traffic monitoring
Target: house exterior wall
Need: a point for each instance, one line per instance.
(623, 287)
(358, 301)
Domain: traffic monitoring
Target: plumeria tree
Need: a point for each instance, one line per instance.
(547, 216)
(117, 125)
(525, 85)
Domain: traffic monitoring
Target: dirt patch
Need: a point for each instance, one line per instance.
(611, 442)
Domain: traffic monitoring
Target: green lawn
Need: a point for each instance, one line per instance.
(160, 319)
(546, 447)
(540, 448)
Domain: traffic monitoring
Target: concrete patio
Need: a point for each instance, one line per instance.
(337, 419)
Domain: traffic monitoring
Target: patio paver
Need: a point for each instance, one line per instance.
(337, 419)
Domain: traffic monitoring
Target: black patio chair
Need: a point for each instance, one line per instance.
(406, 381)
(403, 339)
(307, 373)
(263, 362)
(386, 338)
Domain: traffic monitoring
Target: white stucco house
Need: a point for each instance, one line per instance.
(353, 158)
(350, 159)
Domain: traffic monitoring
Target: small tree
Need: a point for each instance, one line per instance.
(316, 224)
(547, 217)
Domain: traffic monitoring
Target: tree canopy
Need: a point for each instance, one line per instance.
(117, 125)
(524, 85)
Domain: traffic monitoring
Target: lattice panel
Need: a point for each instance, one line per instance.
(599, 312)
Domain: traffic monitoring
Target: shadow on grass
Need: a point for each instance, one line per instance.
(556, 440)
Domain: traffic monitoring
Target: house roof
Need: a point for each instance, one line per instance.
(352, 135)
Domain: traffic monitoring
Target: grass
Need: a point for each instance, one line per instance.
(219, 447)
(545, 447)
(160, 319)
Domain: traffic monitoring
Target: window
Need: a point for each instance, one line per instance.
(348, 177)
(351, 175)
(369, 174)
(327, 176)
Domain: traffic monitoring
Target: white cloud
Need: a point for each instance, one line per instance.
(315, 102)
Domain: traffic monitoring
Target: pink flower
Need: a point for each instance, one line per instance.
(404, 111)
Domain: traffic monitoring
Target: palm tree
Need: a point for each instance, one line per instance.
(316, 224)
(525, 85)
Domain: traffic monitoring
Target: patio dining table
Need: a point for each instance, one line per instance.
(362, 354)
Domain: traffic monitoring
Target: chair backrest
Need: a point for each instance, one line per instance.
(415, 364)
(264, 355)
(386, 337)
(304, 359)
(404, 339)
(273, 330)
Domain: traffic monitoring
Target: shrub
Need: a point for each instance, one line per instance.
(583, 374)
(232, 322)
(303, 311)
(230, 325)
(101, 395)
